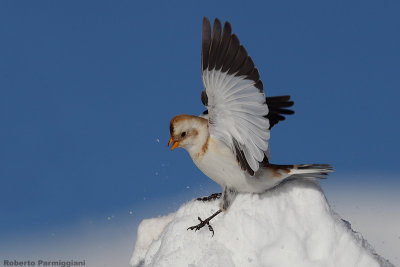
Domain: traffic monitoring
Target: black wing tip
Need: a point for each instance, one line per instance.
(206, 21)
(204, 98)
(281, 98)
(205, 42)
(225, 52)
(228, 27)
(217, 22)
(259, 84)
(278, 107)
(285, 111)
(215, 45)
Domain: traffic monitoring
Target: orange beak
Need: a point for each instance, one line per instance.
(175, 144)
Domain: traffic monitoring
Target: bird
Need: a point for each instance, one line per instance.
(229, 142)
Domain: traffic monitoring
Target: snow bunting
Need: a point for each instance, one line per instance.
(229, 141)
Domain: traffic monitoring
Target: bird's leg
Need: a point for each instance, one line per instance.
(210, 197)
(205, 222)
(228, 195)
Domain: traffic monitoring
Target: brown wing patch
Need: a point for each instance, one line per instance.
(277, 170)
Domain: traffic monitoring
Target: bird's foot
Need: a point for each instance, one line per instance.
(204, 223)
(201, 225)
(210, 197)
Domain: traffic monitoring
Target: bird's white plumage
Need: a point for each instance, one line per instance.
(229, 141)
(236, 111)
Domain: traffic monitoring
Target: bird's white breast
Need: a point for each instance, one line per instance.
(219, 164)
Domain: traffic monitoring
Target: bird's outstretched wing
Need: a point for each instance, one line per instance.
(277, 108)
(233, 95)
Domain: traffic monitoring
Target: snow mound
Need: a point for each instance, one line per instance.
(291, 225)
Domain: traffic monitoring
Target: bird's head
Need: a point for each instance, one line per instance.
(187, 131)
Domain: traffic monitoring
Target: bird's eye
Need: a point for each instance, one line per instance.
(183, 134)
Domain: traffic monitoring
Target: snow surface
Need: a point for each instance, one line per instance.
(291, 225)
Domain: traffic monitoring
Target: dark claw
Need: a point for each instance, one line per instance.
(201, 225)
(205, 222)
(211, 229)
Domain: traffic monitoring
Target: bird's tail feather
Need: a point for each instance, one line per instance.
(320, 171)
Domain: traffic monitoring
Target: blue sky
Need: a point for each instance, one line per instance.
(87, 90)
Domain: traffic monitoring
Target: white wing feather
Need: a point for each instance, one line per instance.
(236, 111)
